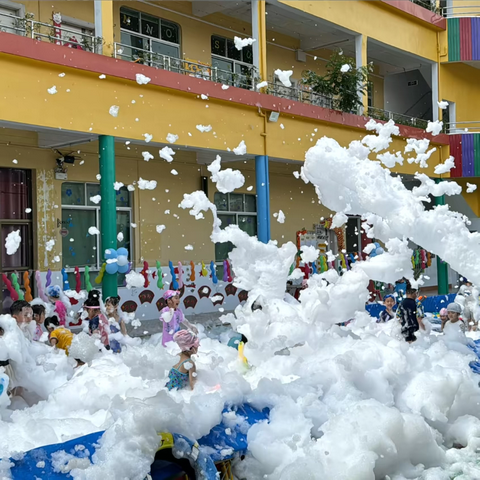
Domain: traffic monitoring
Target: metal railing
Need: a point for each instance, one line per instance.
(398, 118)
(299, 94)
(27, 27)
(428, 4)
(186, 67)
(456, 128)
(458, 11)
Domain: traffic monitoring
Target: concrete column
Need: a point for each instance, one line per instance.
(361, 60)
(259, 33)
(442, 267)
(263, 198)
(435, 98)
(104, 24)
(108, 207)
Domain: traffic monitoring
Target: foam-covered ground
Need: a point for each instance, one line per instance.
(347, 403)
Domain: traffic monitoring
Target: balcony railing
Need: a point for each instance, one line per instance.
(458, 11)
(27, 27)
(429, 5)
(299, 94)
(398, 118)
(457, 128)
(185, 67)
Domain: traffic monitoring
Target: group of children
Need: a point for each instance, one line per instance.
(410, 314)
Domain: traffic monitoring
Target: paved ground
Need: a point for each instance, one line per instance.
(151, 327)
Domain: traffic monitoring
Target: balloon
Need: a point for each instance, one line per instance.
(66, 284)
(192, 272)
(160, 276)
(8, 284)
(174, 285)
(373, 253)
(111, 268)
(38, 280)
(17, 286)
(123, 268)
(26, 284)
(122, 252)
(379, 251)
(49, 278)
(88, 284)
(225, 271)
(110, 254)
(180, 275)
(122, 260)
(100, 275)
(214, 273)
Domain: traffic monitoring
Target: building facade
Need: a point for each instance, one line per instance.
(70, 93)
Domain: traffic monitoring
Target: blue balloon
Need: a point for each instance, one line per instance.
(373, 253)
(122, 251)
(376, 244)
(110, 254)
(123, 268)
(112, 268)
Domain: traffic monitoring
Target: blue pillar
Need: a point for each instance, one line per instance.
(263, 198)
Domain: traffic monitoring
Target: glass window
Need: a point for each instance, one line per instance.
(73, 193)
(232, 51)
(164, 49)
(221, 201)
(123, 197)
(130, 20)
(170, 32)
(150, 26)
(218, 46)
(248, 223)
(250, 203)
(23, 256)
(247, 53)
(353, 235)
(79, 248)
(15, 196)
(92, 191)
(123, 226)
(236, 202)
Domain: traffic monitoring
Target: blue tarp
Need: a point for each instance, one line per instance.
(430, 304)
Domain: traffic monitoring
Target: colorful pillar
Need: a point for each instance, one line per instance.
(103, 10)
(442, 267)
(108, 207)
(361, 60)
(263, 198)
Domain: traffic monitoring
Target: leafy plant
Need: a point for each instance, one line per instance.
(343, 82)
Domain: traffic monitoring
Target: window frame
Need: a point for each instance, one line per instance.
(96, 208)
(18, 10)
(149, 38)
(236, 214)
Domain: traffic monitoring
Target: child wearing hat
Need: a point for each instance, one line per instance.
(172, 317)
(53, 295)
(454, 310)
(443, 317)
(184, 373)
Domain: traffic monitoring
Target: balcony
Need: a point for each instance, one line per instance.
(49, 32)
(398, 118)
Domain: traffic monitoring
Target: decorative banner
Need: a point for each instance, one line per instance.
(38, 281)
(180, 275)
(192, 272)
(8, 284)
(26, 284)
(214, 273)
(66, 284)
(174, 284)
(144, 272)
(17, 287)
(160, 276)
(88, 284)
(100, 275)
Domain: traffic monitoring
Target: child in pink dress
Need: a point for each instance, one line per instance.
(172, 317)
(97, 321)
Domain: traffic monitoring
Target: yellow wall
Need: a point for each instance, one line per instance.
(459, 84)
(469, 8)
(43, 11)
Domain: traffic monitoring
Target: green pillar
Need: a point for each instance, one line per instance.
(442, 267)
(108, 207)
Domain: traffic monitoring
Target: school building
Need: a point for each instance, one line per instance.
(74, 120)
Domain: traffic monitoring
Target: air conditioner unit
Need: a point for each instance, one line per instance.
(301, 56)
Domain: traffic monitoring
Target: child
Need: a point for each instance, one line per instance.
(184, 372)
(443, 317)
(387, 314)
(454, 310)
(22, 312)
(116, 323)
(172, 317)
(468, 298)
(39, 317)
(407, 315)
(53, 294)
(58, 336)
(97, 322)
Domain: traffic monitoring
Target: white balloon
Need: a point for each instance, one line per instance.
(122, 260)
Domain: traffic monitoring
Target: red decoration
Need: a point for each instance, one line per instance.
(204, 292)
(161, 304)
(146, 296)
(243, 296)
(230, 289)
(190, 302)
(129, 306)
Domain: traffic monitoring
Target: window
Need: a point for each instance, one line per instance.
(79, 213)
(234, 209)
(232, 66)
(77, 34)
(353, 235)
(8, 22)
(149, 40)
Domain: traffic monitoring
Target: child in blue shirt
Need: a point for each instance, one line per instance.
(407, 315)
(387, 314)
